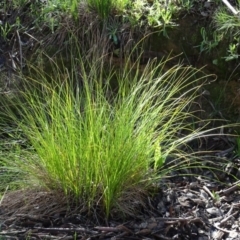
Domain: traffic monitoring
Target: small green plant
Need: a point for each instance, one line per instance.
(161, 15)
(136, 12)
(216, 196)
(227, 28)
(186, 4)
(113, 28)
(155, 14)
(104, 7)
(50, 13)
(120, 5)
(232, 51)
(207, 45)
(5, 29)
(225, 23)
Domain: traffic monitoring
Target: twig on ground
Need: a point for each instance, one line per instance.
(226, 219)
(231, 189)
(20, 49)
(66, 230)
(221, 229)
(208, 192)
(114, 229)
(12, 233)
(33, 218)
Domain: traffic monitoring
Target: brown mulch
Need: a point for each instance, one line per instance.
(186, 207)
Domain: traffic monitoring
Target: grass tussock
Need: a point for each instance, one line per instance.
(96, 145)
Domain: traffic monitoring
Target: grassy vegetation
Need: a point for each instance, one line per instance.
(100, 136)
(105, 7)
(227, 27)
(97, 146)
(51, 14)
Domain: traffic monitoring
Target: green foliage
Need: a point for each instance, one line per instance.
(105, 7)
(216, 196)
(51, 13)
(113, 28)
(227, 28)
(208, 45)
(157, 14)
(232, 51)
(186, 4)
(96, 146)
(161, 15)
(226, 23)
(5, 29)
